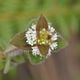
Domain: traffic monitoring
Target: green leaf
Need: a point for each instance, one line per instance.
(12, 62)
(62, 43)
(35, 59)
(18, 60)
(20, 41)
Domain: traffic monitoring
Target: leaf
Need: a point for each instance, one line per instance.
(12, 51)
(35, 59)
(20, 41)
(12, 62)
(62, 43)
(43, 49)
(41, 24)
(18, 59)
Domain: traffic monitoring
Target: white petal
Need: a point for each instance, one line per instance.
(34, 27)
(54, 45)
(30, 36)
(51, 29)
(54, 37)
(35, 51)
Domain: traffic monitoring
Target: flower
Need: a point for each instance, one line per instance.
(31, 35)
(39, 40)
(42, 38)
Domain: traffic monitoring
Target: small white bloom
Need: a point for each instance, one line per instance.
(51, 29)
(33, 27)
(35, 51)
(31, 35)
(54, 37)
(32, 40)
(54, 45)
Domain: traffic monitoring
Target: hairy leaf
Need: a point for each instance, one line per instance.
(12, 51)
(35, 59)
(18, 59)
(62, 43)
(43, 49)
(20, 41)
(41, 24)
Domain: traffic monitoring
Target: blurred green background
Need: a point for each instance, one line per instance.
(65, 16)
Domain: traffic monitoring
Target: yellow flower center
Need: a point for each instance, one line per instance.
(44, 37)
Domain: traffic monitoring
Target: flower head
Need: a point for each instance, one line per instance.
(39, 40)
(42, 38)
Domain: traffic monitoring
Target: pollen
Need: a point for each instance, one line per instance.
(43, 38)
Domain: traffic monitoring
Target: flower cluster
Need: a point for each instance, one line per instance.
(44, 38)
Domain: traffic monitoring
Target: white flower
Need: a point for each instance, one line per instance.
(33, 27)
(51, 29)
(54, 37)
(53, 45)
(35, 51)
(31, 36)
(47, 37)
